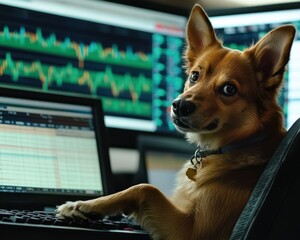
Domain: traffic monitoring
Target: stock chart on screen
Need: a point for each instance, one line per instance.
(133, 66)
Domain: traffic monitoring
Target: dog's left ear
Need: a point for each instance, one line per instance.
(271, 54)
(200, 34)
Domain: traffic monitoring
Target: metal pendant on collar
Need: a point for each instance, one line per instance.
(196, 161)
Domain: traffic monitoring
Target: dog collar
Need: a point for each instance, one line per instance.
(202, 152)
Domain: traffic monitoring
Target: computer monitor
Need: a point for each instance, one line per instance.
(129, 57)
(160, 159)
(52, 149)
(241, 30)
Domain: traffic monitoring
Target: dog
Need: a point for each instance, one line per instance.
(229, 109)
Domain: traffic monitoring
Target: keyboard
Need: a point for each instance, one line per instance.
(17, 224)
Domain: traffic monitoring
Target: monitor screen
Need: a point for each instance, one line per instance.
(241, 30)
(129, 57)
(160, 159)
(48, 147)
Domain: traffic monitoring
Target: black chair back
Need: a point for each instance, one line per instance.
(273, 209)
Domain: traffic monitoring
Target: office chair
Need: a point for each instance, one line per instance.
(273, 209)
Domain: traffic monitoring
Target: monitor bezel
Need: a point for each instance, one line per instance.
(253, 9)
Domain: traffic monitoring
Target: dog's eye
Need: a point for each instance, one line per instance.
(228, 90)
(194, 76)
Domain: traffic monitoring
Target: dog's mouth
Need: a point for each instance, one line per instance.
(180, 123)
(183, 125)
(212, 125)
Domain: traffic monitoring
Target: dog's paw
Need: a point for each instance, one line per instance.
(78, 209)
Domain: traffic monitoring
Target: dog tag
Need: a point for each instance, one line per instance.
(191, 174)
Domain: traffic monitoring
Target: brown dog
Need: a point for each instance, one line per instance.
(229, 109)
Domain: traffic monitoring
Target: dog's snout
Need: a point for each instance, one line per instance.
(182, 108)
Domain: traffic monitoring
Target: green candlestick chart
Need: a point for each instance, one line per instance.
(48, 74)
(94, 51)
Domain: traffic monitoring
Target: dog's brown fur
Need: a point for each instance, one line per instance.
(209, 207)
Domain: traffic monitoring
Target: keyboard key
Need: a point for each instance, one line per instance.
(80, 223)
(48, 221)
(6, 219)
(96, 225)
(17, 219)
(109, 225)
(59, 222)
(33, 220)
(5, 214)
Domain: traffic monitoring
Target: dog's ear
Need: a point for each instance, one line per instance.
(271, 55)
(200, 33)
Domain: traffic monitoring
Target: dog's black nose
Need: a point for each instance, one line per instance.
(182, 108)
